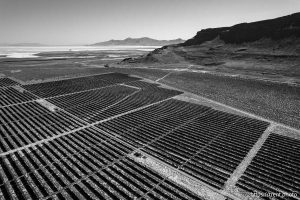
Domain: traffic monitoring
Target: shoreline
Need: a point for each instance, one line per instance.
(39, 51)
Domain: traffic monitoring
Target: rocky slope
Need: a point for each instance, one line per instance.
(269, 48)
(275, 29)
(278, 37)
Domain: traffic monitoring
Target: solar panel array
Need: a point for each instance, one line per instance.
(27, 123)
(82, 149)
(10, 96)
(200, 141)
(62, 87)
(48, 154)
(82, 165)
(5, 82)
(275, 169)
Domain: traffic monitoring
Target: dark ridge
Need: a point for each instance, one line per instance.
(276, 29)
(205, 35)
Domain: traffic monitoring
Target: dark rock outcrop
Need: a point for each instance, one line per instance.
(276, 29)
(205, 35)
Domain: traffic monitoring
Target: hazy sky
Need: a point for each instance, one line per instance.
(89, 21)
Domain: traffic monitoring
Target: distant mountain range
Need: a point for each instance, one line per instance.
(144, 41)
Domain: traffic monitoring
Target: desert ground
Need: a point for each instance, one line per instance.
(263, 95)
